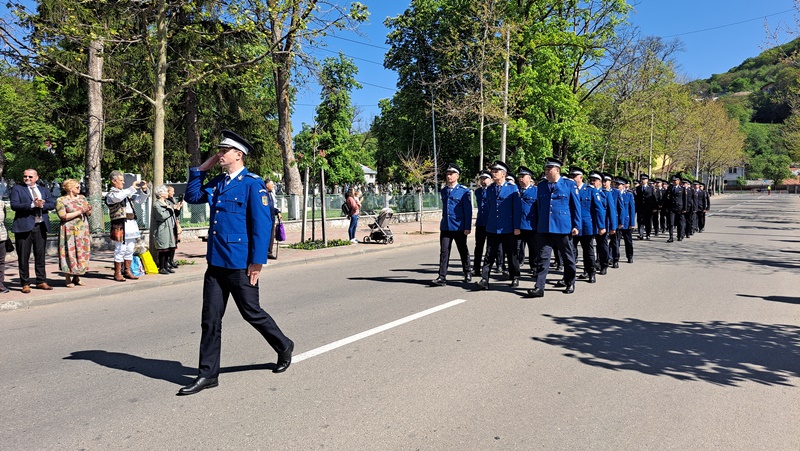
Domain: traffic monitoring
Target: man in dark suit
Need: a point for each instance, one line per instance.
(238, 241)
(31, 224)
(646, 205)
(674, 201)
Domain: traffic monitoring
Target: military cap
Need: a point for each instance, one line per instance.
(452, 167)
(233, 140)
(500, 165)
(549, 161)
(595, 175)
(621, 181)
(522, 170)
(644, 176)
(696, 182)
(510, 178)
(574, 170)
(676, 177)
(607, 176)
(485, 174)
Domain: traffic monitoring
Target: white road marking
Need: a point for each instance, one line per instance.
(373, 331)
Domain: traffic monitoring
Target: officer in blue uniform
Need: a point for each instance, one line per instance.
(238, 241)
(502, 223)
(456, 224)
(527, 229)
(484, 179)
(602, 181)
(557, 217)
(593, 219)
(626, 215)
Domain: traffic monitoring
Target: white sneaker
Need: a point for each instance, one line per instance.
(354, 240)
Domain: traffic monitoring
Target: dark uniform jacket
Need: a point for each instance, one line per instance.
(674, 199)
(241, 219)
(645, 198)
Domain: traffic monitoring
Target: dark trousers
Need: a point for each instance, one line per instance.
(701, 220)
(625, 236)
(655, 221)
(644, 221)
(526, 238)
(603, 250)
(587, 244)
(36, 239)
(663, 219)
(218, 283)
(547, 243)
(493, 242)
(446, 238)
(480, 241)
(688, 228)
(676, 219)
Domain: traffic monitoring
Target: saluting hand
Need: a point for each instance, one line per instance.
(254, 270)
(211, 162)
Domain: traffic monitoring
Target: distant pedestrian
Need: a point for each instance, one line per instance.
(276, 217)
(354, 204)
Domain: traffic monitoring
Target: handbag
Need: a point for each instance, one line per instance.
(137, 268)
(148, 262)
(117, 231)
(9, 245)
(281, 232)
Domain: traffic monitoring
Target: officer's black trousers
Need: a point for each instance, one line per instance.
(655, 221)
(561, 244)
(645, 221)
(626, 235)
(480, 241)
(688, 229)
(663, 219)
(675, 219)
(218, 283)
(526, 238)
(602, 249)
(587, 244)
(509, 242)
(701, 220)
(446, 238)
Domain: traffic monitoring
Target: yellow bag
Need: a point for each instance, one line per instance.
(148, 262)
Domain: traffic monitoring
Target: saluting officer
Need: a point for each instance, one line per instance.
(527, 229)
(502, 224)
(557, 217)
(484, 179)
(456, 224)
(238, 241)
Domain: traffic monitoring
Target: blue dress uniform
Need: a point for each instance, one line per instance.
(527, 228)
(626, 214)
(593, 218)
(557, 212)
(603, 249)
(238, 236)
(480, 225)
(504, 217)
(456, 219)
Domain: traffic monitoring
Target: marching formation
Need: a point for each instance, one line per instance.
(556, 216)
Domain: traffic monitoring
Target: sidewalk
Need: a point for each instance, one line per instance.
(100, 282)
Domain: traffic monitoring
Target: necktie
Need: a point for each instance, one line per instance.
(227, 180)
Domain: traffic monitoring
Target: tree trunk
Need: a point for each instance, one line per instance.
(94, 142)
(282, 74)
(192, 133)
(159, 107)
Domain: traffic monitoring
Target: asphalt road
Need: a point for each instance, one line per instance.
(694, 346)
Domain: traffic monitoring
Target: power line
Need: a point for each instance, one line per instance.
(344, 54)
(360, 42)
(729, 25)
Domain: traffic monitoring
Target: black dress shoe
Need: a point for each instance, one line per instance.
(483, 284)
(670, 240)
(680, 239)
(200, 384)
(467, 277)
(506, 273)
(515, 282)
(4, 289)
(570, 289)
(560, 284)
(647, 238)
(284, 359)
(536, 293)
(559, 268)
(615, 265)
(583, 276)
(603, 271)
(641, 238)
(630, 260)
(592, 278)
(438, 282)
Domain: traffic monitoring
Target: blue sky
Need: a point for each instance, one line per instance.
(717, 35)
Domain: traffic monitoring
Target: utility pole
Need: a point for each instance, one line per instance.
(433, 125)
(697, 164)
(505, 97)
(650, 165)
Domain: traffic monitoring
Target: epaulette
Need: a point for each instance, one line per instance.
(251, 175)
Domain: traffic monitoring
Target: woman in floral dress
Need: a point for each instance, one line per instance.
(74, 242)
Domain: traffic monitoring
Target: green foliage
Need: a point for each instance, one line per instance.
(310, 245)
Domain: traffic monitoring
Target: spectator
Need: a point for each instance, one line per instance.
(176, 205)
(74, 242)
(124, 228)
(276, 213)
(165, 236)
(30, 226)
(3, 239)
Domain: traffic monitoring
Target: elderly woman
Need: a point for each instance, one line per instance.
(124, 228)
(165, 237)
(176, 205)
(74, 243)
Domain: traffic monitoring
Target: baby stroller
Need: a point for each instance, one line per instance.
(379, 230)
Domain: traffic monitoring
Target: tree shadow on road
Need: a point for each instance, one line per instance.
(717, 352)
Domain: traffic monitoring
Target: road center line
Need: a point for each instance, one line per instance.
(373, 331)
